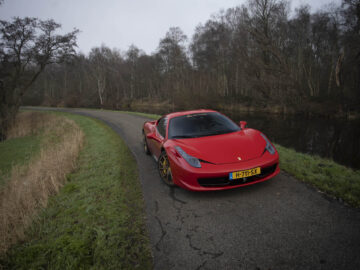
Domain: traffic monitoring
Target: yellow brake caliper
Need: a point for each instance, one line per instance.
(164, 166)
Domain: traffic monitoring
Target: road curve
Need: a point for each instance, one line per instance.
(278, 224)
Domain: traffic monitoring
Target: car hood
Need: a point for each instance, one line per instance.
(233, 147)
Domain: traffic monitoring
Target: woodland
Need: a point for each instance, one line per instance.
(259, 56)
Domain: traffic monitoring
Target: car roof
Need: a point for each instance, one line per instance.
(176, 114)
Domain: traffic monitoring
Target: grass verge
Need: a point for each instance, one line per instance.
(24, 142)
(152, 116)
(17, 152)
(29, 185)
(96, 221)
(326, 175)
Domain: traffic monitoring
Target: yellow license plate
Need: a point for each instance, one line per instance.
(245, 173)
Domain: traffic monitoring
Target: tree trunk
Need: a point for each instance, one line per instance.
(338, 70)
(101, 89)
(330, 77)
(8, 111)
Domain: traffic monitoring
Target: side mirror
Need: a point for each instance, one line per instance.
(152, 136)
(243, 124)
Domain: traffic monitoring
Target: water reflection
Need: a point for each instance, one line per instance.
(338, 140)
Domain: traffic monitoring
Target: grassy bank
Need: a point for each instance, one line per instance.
(96, 221)
(24, 142)
(17, 152)
(30, 181)
(326, 175)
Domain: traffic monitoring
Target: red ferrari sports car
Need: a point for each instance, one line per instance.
(204, 150)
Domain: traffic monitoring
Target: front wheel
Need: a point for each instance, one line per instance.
(165, 170)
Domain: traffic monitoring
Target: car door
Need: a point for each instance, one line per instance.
(160, 134)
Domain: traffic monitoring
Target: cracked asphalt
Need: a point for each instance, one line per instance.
(278, 224)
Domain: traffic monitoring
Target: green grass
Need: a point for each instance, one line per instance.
(326, 175)
(97, 219)
(17, 151)
(148, 115)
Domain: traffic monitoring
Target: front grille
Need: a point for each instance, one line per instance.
(225, 181)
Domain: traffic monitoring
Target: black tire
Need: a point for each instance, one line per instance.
(164, 169)
(145, 145)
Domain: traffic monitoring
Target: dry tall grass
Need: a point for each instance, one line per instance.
(31, 185)
(28, 123)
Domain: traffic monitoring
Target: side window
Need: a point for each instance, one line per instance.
(161, 127)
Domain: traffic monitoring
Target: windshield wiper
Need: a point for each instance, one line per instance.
(183, 136)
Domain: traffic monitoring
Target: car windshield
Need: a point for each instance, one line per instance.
(200, 125)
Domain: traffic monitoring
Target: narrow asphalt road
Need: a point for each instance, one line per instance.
(278, 224)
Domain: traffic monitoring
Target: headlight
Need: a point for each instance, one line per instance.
(193, 161)
(268, 146)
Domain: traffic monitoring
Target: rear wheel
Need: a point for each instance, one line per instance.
(146, 148)
(164, 169)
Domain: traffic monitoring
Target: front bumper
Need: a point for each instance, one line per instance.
(216, 177)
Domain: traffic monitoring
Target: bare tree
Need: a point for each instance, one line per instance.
(27, 46)
(253, 55)
(173, 62)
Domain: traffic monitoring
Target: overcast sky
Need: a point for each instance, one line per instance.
(120, 23)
